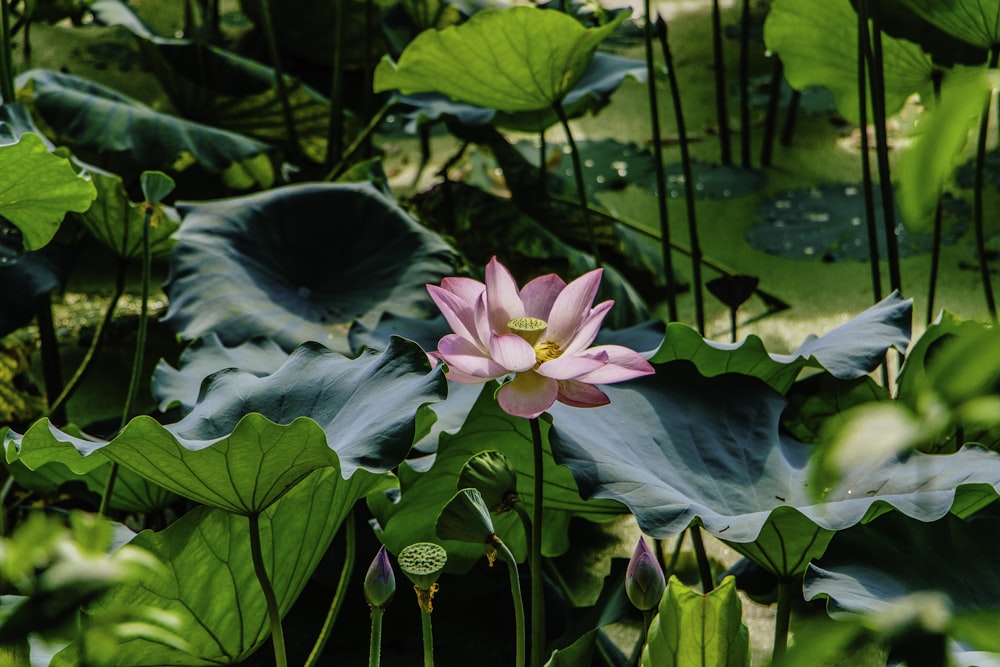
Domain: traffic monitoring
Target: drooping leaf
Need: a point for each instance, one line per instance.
(37, 189)
(296, 263)
(210, 582)
(850, 351)
(92, 116)
(692, 629)
(868, 568)
(514, 59)
(249, 440)
(47, 460)
(117, 222)
(204, 357)
(973, 21)
(711, 452)
(410, 518)
(818, 45)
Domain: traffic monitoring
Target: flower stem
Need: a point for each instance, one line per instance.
(273, 615)
(428, 635)
(515, 591)
(704, 569)
(866, 168)
(267, 25)
(977, 197)
(661, 181)
(581, 190)
(535, 552)
(782, 619)
(719, 66)
(350, 548)
(375, 648)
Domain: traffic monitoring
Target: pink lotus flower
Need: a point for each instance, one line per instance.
(540, 333)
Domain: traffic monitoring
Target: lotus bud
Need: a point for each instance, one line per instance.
(466, 518)
(644, 580)
(491, 473)
(380, 582)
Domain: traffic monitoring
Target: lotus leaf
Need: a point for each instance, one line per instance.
(296, 263)
(117, 222)
(848, 352)
(516, 59)
(711, 452)
(973, 21)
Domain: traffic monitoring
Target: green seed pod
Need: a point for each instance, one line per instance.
(491, 473)
(422, 563)
(466, 518)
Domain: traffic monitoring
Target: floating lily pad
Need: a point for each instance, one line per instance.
(827, 223)
(296, 263)
(711, 452)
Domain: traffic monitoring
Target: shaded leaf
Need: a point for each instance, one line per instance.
(37, 189)
(117, 222)
(296, 263)
(973, 21)
(711, 452)
(210, 574)
(497, 59)
(693, 629)
(410, 517)
(850, 351)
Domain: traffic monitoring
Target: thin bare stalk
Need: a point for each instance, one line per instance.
(6, 55)
(977, 197)
(719, 65)
(535, 549)
(745, 160)
(704, 568)
(335, 132)
(782, 620)
(350, 555)
(515, 591)
(359, 141)
(581, 190)
(267, 25)
(866, 168)
(273, 614)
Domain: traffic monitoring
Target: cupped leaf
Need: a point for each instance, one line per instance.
(593, 91)
(101, 119)
(869, 568)
(211, 585)
(818, 45)
(695, 629)
(850, 351)
(293, 263)
(249, 440)
(37, 189)
(515, 59)
(117, 222)
(711, 452)
(410, 517)
(181, 386)
(49, 460)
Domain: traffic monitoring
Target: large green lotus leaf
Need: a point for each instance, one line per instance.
(411, 517)
(515, 59)
(37, 189)
(973, 21)
(295, 263)
(818, 45)
(692, 629)
(210, 584)
(49, 460)
(181, 386)
(710, 451)
(868, 568)
(117, 222)
(848, 352)
(249, 439)
(101, 119)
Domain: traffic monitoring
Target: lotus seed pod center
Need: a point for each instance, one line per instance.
(528, 328)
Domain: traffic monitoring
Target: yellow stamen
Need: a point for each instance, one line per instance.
(546, 351)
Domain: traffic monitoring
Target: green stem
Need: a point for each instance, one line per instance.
(704, 569)
(140, 351)
(51, 368)
(581, 190)
(676, 555)
(977, 194)
(267, 25)
(866, 167)
(661, 181)
(771, 118)
(745, 160)
(358, 142)
(719, 65)
(335, 132)
(428, 634)
(273, 615)
(515, 592)
(535, 553)
(647, 620)
(375, 648)
(936, 78)
(782, 619)
(6, 56)
(350, 549)
(689, 205)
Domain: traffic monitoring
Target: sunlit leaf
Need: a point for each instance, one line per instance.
(516, 59)
(692, 629)
(117, 222)
(299, 263)
(37, 189)
(210, 584)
